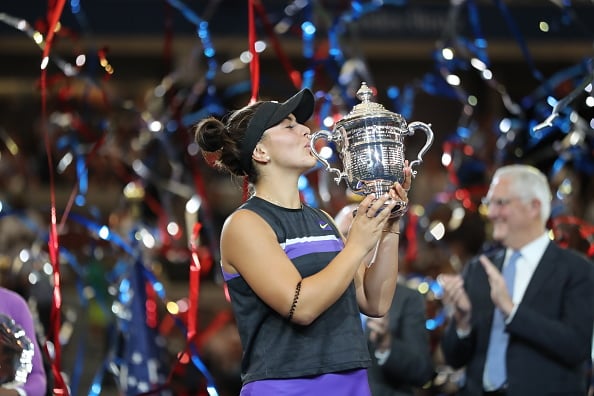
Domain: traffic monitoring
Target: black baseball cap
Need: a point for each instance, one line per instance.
(271, 113)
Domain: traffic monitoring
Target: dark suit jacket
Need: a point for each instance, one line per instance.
(409, 363)
(550, 333)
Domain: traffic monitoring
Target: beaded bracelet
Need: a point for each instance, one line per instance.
(295, 299)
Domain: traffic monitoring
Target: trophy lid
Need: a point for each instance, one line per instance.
(368, 108)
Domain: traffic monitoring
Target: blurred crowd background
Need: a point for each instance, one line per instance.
(105, 202)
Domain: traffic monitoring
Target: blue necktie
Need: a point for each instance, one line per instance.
(495, 370)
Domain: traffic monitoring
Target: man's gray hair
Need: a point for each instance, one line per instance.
(529, 183)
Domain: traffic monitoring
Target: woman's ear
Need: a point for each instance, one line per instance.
(260, 155)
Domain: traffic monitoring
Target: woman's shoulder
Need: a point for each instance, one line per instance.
(245, 223)
(241, 216)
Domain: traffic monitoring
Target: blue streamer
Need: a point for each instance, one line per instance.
(204, 35)
(199, 364)
(79, 14)
(79, 360)
(334, 49)
(519, 38)
(72, 143)
(193, 118)
(110, 360)
(563, 103)
(408, 100)
(307, 192)
(308, 34)
(325, 111)
(480, 43)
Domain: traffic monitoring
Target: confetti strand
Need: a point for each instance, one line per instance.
(60, 388)
(563, 103)
(204, 35)
(293, 74)
(585, 230)
(255, 59)
(194, 284)
(521, 42)
(254, 73)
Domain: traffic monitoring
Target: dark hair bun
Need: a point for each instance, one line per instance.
(209, 134)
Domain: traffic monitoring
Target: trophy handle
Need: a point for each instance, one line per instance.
(312, 144)
(427, 129)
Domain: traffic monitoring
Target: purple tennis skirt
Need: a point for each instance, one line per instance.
(347, 383)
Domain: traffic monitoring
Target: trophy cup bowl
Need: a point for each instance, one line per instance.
(370, 144)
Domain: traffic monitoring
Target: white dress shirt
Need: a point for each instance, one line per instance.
(525, 266)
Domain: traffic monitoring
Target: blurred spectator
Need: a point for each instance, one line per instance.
(398, 342)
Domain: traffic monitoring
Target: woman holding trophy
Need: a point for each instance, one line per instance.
(297, 286)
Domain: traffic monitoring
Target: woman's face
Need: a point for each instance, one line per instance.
(288, 144)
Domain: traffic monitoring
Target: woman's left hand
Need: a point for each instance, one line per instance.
(399, 192)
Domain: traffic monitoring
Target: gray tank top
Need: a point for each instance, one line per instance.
(276, 348)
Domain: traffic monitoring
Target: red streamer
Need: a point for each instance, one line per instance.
(194, 285)
(585, 231)
(255, 61)
(53, 15)
(220, 320)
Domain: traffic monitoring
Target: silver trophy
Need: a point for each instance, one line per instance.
(370, 144)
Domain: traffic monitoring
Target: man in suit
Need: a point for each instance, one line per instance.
(544, 321)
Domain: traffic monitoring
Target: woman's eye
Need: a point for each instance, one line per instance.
(291, 126)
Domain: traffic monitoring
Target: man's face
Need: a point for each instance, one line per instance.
(509, 214)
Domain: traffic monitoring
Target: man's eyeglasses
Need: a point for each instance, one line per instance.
(497, 202)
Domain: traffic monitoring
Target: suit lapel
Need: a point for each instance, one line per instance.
(542, 272)
(496, 258)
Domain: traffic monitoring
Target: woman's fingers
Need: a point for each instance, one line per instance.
(407, 176)
(379, 208)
